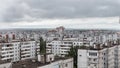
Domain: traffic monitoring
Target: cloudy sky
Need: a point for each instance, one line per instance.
(79, 14)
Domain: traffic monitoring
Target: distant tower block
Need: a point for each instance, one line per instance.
(119, 19)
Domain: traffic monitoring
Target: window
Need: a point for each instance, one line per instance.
(92, 54)
(59, 66)
(104, 53)
(66, 65)
(89, 59)
(94, 59)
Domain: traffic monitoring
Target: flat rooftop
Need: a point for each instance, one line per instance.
(3, 62)
(29, 64)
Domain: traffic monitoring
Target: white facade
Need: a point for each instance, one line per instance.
(109, 57)
(49, 58)
(87, 59)
(66, 63)
(18, 50)
(59, 48)
(6, 65)
(10, 51)
(104, 58)
(28, 50)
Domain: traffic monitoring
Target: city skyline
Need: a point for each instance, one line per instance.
(60, 34)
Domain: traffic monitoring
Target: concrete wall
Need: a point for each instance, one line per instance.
(6, 65)
(82, 59)
(67, 63)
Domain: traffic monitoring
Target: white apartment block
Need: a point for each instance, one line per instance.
(27, 50)
(87, 58)
(103, 58)
(61, 48)
(18, 50)
(109, 57)
(10, 51)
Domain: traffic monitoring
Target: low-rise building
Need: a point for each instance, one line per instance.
(5, 64)
(45, 61)
(87, 58)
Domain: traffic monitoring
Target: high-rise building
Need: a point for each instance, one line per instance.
(99, 58)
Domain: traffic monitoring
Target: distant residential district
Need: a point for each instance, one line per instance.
(59, 48)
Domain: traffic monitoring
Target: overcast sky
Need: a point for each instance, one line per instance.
(79, 14)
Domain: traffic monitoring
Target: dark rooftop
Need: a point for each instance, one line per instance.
(3, 62)
(29, 64)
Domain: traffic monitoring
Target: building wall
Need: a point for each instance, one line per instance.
(105, 58)
(87, 58)
(66, 63)
(61, 48)
(82, 61)
(10, 51)
(28, 50)
(6, 65)
(16, 51)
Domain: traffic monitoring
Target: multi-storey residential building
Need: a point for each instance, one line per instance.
(18, 50)
(10, 51)
(16, 46)
(87, 58)
(61, 48)
(109, 57)
(27, 49)
(99, 58)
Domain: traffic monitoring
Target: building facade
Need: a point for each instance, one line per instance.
(18, 50)
(103, 58)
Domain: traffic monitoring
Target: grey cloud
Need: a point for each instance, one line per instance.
(29, 10)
